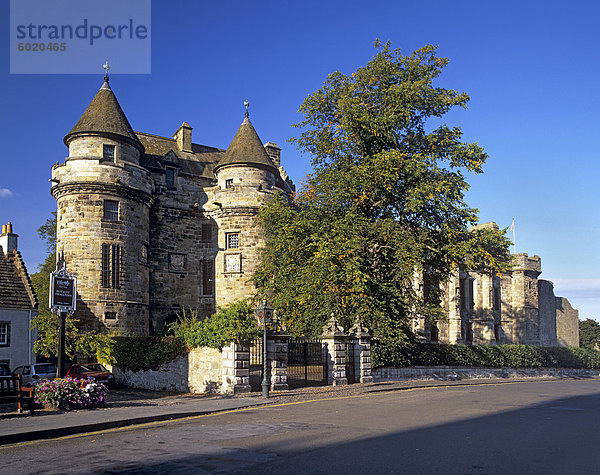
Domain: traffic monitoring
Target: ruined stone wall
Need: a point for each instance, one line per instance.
(451, 330)
(516, 307)
(524, 296)
(547, 312)
(507, 318)
(567, 323)
(483, 315)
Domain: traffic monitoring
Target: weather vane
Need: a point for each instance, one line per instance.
(247, 104)
(106, 68)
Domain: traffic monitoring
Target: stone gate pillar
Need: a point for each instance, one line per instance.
(362, 353)
(335, 341)
(236, 368)
(277, 352)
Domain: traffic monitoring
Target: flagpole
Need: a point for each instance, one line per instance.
(512, 228)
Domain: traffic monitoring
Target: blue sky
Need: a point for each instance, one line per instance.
(531, 69)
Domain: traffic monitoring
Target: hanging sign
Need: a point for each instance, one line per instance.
(63, 292)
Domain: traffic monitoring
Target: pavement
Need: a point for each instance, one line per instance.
(133, 407)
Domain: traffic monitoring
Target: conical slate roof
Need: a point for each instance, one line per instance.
(246, 148)
(104, 116)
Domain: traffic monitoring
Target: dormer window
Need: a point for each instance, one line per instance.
(108, 153)
(229, 183)
(170, 178)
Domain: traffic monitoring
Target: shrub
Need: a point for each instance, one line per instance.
(188, 327)
(235, 323)
(145, 352)
(69, 393)
(97, 346)
(497, 356)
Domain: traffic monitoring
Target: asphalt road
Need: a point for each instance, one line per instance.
(537, 427)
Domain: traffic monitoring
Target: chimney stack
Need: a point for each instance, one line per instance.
(8, 240)
(274, 153)
(183, 136)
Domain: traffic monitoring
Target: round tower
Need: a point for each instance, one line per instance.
(246, 176)
(103, 203)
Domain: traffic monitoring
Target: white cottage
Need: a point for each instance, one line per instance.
(18, 304)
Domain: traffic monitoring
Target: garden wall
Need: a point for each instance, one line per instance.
(200, 370)
(447, 373)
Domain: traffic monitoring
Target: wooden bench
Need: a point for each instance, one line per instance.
(11, 390)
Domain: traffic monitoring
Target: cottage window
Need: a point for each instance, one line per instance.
(108, 153)
(207, 269)
(4, 333)
(229, 183)
(233, 240)
(111, 210)
(110, 315)
(111, 266)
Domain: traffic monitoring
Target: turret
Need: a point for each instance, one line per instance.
(103, 131)
(246, 163)
(245, 177)
(103, 202)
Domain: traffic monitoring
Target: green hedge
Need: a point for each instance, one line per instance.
(234, 323)
(145, 352)
(498, 356)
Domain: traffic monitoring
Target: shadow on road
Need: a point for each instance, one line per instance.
(553, 436)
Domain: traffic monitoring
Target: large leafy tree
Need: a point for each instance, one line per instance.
(46, 322)
(589, 333)
(384, 204)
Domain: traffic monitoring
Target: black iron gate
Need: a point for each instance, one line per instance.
(256, 364)
(307, 363)
(350, 362)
